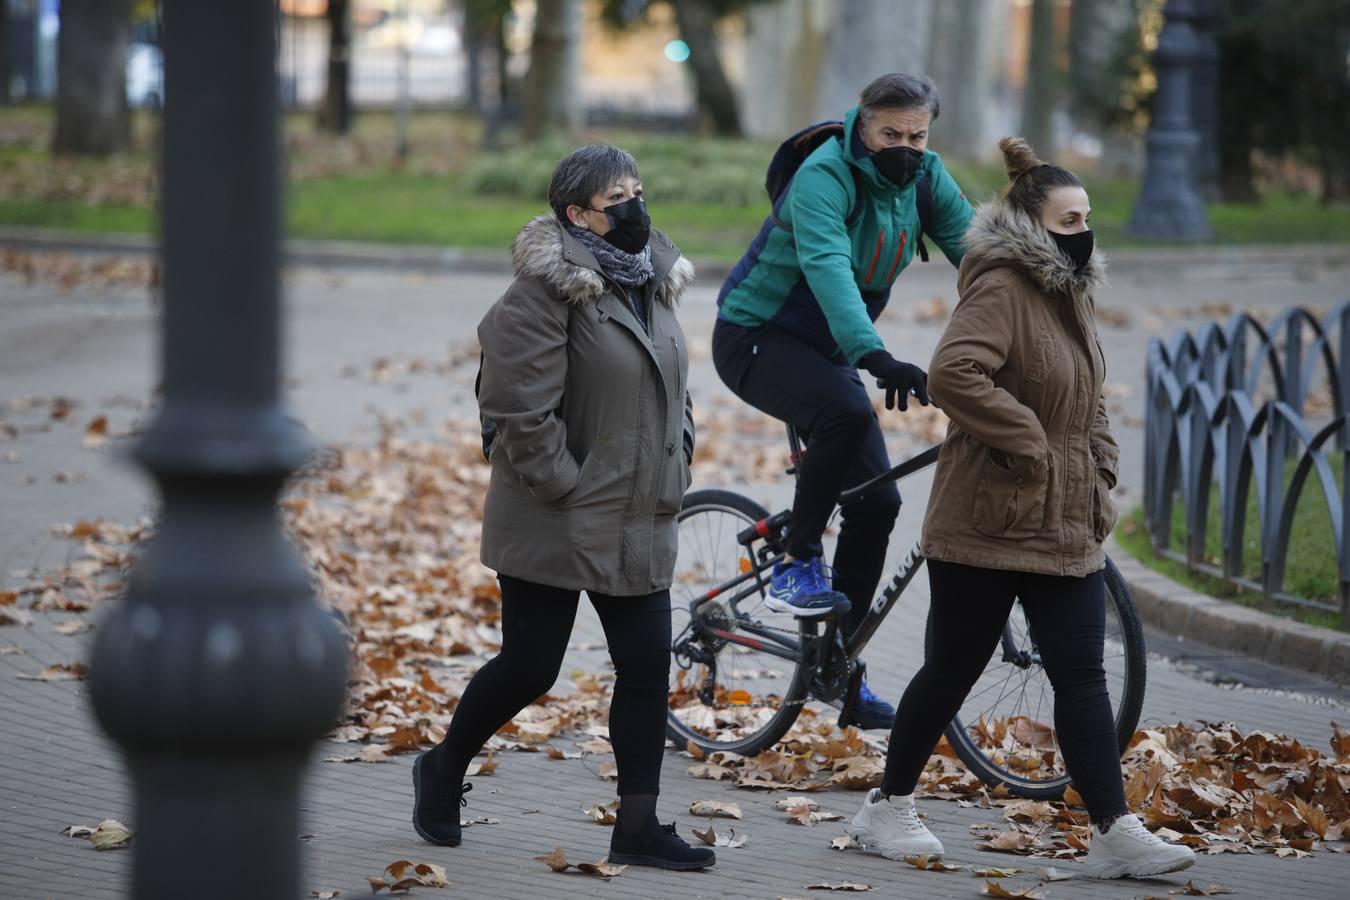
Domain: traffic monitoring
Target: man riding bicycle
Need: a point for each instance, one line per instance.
(795, 324)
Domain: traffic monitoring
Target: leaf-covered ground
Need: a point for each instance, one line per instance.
(390, 533)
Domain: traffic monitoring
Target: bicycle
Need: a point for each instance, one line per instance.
(732, 688)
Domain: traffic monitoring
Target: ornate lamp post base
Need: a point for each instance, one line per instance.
(1169, 204)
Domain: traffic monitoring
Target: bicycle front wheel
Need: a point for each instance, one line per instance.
(735, 683)
(1005, 730)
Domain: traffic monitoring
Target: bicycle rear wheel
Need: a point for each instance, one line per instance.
(725, 695)
(1005, 730)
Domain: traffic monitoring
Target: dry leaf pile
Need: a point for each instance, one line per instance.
(68, 271)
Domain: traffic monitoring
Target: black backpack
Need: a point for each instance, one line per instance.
(790, 155)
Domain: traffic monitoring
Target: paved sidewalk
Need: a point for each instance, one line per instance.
(57, 770)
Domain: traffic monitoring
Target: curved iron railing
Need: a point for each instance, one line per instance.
(1229, 407)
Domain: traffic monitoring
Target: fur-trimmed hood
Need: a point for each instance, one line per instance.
(1001, 236)
(543, 249)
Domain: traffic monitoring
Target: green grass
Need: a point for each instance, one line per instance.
(1310, 569)
(706, 193)
(437, 209)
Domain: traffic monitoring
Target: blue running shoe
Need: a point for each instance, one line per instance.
(871, 711)
(801, 588)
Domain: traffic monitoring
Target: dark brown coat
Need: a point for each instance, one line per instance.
(591, 409)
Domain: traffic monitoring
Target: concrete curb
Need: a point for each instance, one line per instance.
(1229, 626)
(1294, 261)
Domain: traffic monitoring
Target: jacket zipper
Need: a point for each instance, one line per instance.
(876, 256)
(899, 252)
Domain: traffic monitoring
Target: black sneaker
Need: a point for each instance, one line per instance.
(436, 808)
(661, 847)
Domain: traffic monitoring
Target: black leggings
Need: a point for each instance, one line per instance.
(536, 626)
(826, 401)
(1068, 615)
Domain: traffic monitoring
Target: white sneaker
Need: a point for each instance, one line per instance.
(891, 826)
(1129, 850)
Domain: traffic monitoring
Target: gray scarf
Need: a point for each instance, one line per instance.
(628, 269)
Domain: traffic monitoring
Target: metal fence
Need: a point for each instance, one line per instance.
(1244, 408)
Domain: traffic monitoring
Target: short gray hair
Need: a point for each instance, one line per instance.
(585, 172)
(899, 91)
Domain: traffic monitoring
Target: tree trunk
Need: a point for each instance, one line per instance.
(1038, 99)
(1335, 175)
(869, 38)
(716, 99)
(92, 115)
(960, 52)
(473, 58)
(5, 69)
(335, 114)
(1237, 136)
(553, 100)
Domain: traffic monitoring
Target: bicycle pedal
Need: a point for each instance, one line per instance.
(848, 712)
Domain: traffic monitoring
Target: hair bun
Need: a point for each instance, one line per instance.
(1018, 157)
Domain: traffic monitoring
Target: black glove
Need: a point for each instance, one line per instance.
(900, 379)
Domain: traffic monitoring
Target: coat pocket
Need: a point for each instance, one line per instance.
(1104, 512)
(1010, 499)
(1043, 359)
(675, 484)
(585, 475)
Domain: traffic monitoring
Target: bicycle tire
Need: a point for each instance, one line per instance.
(716, 500)
(1128, 709)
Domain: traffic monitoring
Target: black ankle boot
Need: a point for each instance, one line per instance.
(436, 806)
(658, 845)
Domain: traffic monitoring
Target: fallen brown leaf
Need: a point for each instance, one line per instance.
(403, 875)
(931, 864)
(997, 872)
(1013, 841)
(603, 813)
(726, 839)
(715, 808)
(557, 861)
(109, 834)
(842, 886)
(96, 433)
(75, 671)
(486, 767)
(996, 889)
(1191, 890)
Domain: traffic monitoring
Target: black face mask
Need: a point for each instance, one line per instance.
(629, 225)
(1077, 247)
(898, 165)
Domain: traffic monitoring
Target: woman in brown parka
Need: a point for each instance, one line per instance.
(584, 384)
(1020, 507)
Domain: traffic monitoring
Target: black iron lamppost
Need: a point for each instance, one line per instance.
(218, 671)
(1169, 205)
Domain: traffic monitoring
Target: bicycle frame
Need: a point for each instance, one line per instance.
(770, 529)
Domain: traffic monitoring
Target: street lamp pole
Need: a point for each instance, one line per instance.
(218, 671)
(1169, 205)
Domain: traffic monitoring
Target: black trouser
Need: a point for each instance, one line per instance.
(826, 401)
(536, 626)
(1068, 617)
